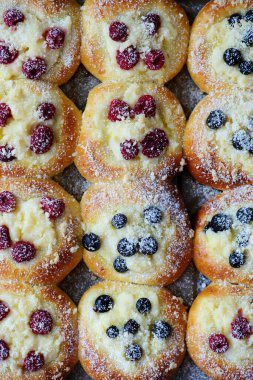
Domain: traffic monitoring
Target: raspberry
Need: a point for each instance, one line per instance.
(241, 328)
(34, 68)
(42, 139)
(128, 58)
(54, 37)
(41, 322)
(54, 207)
(129, 149)
(152, 23)
(7, 54)
(4, 350)
(5, 114)
(146, 105)
(155, 59)
(119, 110)
(218, 343)
(118, 31)
(4, 310)
(13, 16)
(6, 153)
(23, 251)
(7, 201)
(46, 111)
(154, 143)
(34, 361)
(5, 240)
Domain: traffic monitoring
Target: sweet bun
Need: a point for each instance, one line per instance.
(219, 332)
(40, 39)
(143, 40)
(130, 130)
(218, 140)
(39, 128)
(220, 50)
(136, 233)
(38, 332)
(131, 332)
(40, 232)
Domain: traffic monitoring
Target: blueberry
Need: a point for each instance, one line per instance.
(237, 259)
(112, 332)
(131, 327)
(143, 305)
(134, 352)
(216, 119)
(250, 125)
(152, 215)
(234, 19)
(242, 239)
(251, 146)
(208, 227)
(245, 215)
(91, 242)
(161, 330)
(246, 67)
(248, 38)
(120, 265)
(249, 16)
(232, 57)
(119, 221)
(148, 246)
(103, 304)
(241, 140)
(221, 222)
(126, 248)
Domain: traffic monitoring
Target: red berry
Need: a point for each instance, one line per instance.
(4, 350)
(5, 114)
(34, 68)
(13, 16)
(155, 59)
(54, 207)
(41, 322)
(6, 153)
(218, 343)
(42, 139)
(152, 23)
(23, 251)
(46, 111)
(146, 105)
(4, 310)
(34, 361)
(7, 54)
(241, 328)
(128, 58)
(119, 110)
(7, 201)
(154, 143)
(118, 31)
(129, 149)
(5, 240)
(54, 37)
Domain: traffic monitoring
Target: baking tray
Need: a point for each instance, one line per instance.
(194, 195)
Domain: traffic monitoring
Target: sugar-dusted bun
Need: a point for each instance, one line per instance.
(130, 332)
(40, 39)
(220, 52)
(130, 130)
(134, 39)
(219, 332)
(136, 233)
(40, 231)
(39, 128)
(218, 140)
(38, 332)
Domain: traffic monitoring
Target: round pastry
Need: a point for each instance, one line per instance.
(136, 234)
(223, 248)
(134, 39)
(40, 231)
(39, 128)
(38, 332)
(220, 51)
(130, 129)
(218, 140)
(219, 332)
(40, 39)
(131, 332)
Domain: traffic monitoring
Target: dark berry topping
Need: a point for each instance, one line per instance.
(42, 139)
(23, 251)
(7, 201)
(129, 149)
(13, 16)
(154, 143)
(4, 310)
(119, 221)
(41, 322)
(5, 240)
(216, 119)
(91, 242)
(112, 332)
(34, 361)
(232, 57)
(246, 67)
(248, 38)
(4, 350)
(46, 111)
(241, 328)
(161, 330)
(152, 23)
(128, 58)
(241, 140)
(118, 31)
(249, 16)
(126, 247)
(34, 68)
(7, 54)
(5, 114)
(7, 153)
(131, 327)
(237, 259)
(120, 265)
(234, 19)
(146, 105)
(103, 304)
(148, 245)
(119, 110)
(245, 215)
(218, 343)
(133, 352)
(155, 59)
(143, 305)
(152, 215)
(53, 207)
(242, 239)
(220, 223)
(54, 37)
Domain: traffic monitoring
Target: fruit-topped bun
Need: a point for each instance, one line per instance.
(131, 332)
(40, 231)
(134, 39)
(130, 130)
